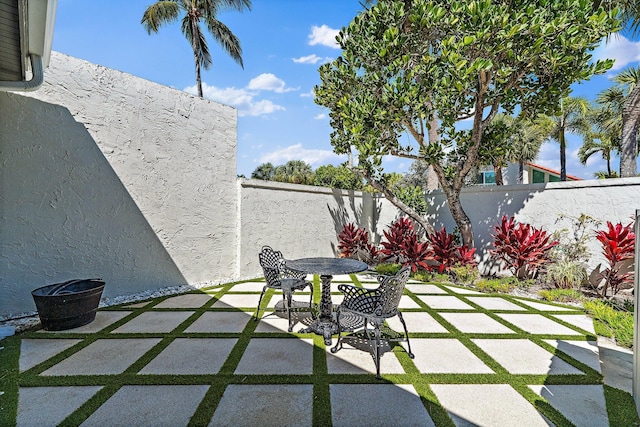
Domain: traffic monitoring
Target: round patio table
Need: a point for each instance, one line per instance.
(325, 324)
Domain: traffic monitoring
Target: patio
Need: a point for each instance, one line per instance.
(200, 359)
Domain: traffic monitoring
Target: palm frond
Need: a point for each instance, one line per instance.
(159, 13)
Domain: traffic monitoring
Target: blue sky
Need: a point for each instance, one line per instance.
(284, 42)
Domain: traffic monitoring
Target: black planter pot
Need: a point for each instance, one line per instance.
(68, 305)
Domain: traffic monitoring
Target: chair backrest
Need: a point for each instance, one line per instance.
(390, 291)
(270, 261)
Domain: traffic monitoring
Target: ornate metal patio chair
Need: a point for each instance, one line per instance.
(278, 277)
(374, 306)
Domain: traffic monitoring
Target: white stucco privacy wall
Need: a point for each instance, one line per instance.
(103, 174)
(541, 205)
(301, 220)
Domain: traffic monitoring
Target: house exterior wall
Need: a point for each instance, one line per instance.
(103, 174)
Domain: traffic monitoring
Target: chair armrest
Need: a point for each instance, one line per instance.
(359, 299)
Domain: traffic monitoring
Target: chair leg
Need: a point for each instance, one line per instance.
(288, 308)
(406, 334)
(377, 355)
(338, 345)
(311, 310)
(260, 301)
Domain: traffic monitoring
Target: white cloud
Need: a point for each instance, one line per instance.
(324, 36)
(320, 116)
(619, 48)
(314, 157)
(311, 59)
(268, 81)
(309, 94)
(242, 99)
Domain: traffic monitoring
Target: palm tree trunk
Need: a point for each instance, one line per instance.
(498, 172)
(629, 146)
(198, 79)
(520, 172)
(563, 157)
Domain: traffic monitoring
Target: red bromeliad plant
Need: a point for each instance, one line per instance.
(415, 253)
(443, 250)
(399, 231)
(523, 248)
(447, 254)
(466, 256)
(353, 242)
(618, 244)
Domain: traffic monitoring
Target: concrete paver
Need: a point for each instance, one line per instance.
(583, 405)
(521, 356)
(262, 405)
(154, 321)
(434, 356)
(186, 356)
(223, 321)
(373, 403)
(139, 405)
(273, 356)
(487, 405)
(476, 323)
(104, 357)
(537, 324)
(33, 352)
(377, 405)
(49, 406)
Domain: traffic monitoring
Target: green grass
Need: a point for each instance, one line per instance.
(620, 406)
(561, 295)
(611, 322)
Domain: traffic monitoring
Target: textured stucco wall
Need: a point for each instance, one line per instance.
(103, 174)
(614, 200)
(302, 221)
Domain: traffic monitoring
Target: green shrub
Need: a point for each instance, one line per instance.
(609, 318)
(388, 269)
(561, 295)
(566, 274)
(501, 285)
(465, 274)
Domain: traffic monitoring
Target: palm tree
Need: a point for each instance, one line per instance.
(572, 119)
(265, 172)
(525, 142)
(167, 11)
(630, 14)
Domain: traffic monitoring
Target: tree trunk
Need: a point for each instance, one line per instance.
(563, 157)
(198, 79)
(498, 172)
(629, 146)
(521, 173)
(432, 133)
(412, 213)
(462, 220)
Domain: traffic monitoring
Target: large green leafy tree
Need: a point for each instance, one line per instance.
(337, 177)
(167, 11)
(403, 62)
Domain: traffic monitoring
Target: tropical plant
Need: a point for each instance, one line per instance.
(167, 11)
(525, 141)
(416, 254)
(618, 245)
(415, 67)
(399, 231)
(294, 172)
(570, 118)
(265, 172)
(446, 253)
(523, 248)
(566, 274)
(337, 177)
(353, 242)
